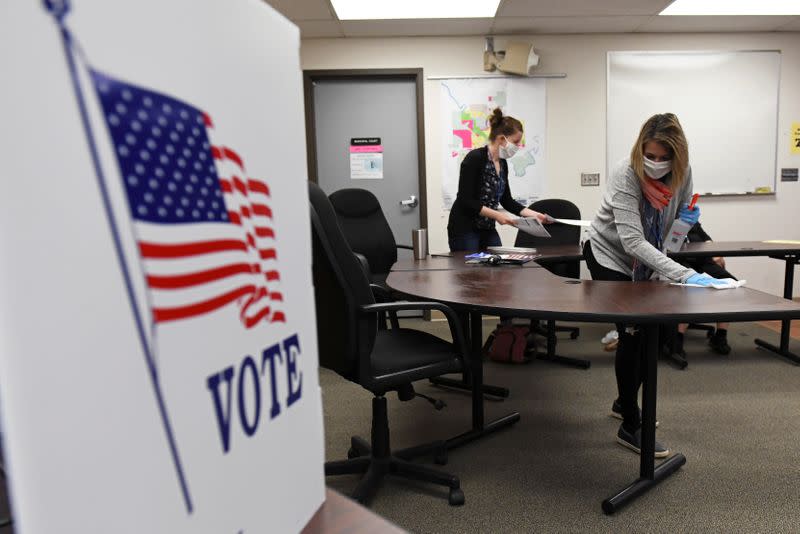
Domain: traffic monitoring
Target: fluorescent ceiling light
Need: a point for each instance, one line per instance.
(733, 7)
(414, 9)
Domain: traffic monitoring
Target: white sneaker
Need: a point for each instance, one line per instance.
(609, 337)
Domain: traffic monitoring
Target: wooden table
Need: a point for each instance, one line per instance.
(340, 515)
(538, 294)
(788, 252)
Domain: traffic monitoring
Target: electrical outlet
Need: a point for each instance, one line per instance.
(590, 178)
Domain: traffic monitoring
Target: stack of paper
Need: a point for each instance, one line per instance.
(516, 259)
(511, 250)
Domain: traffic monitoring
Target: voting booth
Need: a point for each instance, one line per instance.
(158, 358)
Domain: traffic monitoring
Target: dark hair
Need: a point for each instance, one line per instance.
(500, 124)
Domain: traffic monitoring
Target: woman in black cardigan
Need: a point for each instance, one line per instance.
(483, 187)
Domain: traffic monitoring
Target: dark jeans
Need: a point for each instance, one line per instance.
(473, 241)
(630, 350)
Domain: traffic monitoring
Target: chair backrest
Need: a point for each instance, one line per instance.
(344, 335)
(365, 227)
(561, 234)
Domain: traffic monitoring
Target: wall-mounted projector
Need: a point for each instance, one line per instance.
(518, 58)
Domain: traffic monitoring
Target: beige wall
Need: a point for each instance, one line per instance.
(576, 122)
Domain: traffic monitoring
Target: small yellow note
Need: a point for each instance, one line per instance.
(794, 138)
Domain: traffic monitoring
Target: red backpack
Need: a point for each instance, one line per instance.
(508, 344)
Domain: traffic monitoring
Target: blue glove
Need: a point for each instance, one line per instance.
(703, 279)
(689, 216)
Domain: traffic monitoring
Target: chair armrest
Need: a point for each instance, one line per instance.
(452, 319)
(380, 293)
(407, 247)
(364, 264)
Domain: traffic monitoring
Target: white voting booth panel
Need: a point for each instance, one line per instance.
(158, 358)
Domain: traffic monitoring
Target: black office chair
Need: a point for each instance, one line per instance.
(369, 235)
(378, 360)
(366, 230)
(561, 234)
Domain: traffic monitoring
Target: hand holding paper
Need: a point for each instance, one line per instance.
(505, 218)
(532, 226)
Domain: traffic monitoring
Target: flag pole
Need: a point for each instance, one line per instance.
(59, 10)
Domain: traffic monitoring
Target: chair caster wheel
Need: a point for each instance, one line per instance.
(456, 497)
(440, 458)
(352, 453)
(573, 335)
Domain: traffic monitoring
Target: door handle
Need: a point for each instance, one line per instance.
(411, 202)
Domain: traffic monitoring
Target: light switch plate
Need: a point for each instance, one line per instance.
(590, 178)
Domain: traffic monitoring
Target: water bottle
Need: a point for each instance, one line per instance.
(419, 243)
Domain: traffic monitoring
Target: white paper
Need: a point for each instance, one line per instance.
(366, 166)
(531, 225)
(572, 222)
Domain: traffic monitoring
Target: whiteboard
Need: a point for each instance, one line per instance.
(726, 101)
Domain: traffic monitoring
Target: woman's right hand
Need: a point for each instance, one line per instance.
(656, 193)
(503, 217)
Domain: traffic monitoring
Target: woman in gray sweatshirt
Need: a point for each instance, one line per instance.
(644, 194)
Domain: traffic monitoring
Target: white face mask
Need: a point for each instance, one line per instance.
(656, 169)
(508, 151)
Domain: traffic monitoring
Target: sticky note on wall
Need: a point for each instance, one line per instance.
(794, 138)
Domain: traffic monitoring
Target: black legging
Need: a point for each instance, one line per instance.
(630, 350)
(707, 266)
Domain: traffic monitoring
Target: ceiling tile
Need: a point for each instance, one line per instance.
(518, 25)
(714, 24)
(409, 28)
(296, 10)
(310, 29)
(579, 8)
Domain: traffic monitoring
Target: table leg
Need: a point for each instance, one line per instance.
(479, 427)
(466, 381)
(649, 474)
(551, 355)
(788, 283)
(466, 384)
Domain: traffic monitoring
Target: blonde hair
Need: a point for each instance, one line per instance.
(500, 124)
(666, 130)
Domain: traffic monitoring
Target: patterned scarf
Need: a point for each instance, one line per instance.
(653, 225)
(492, 189)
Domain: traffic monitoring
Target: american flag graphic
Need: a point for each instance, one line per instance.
(203, 227)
